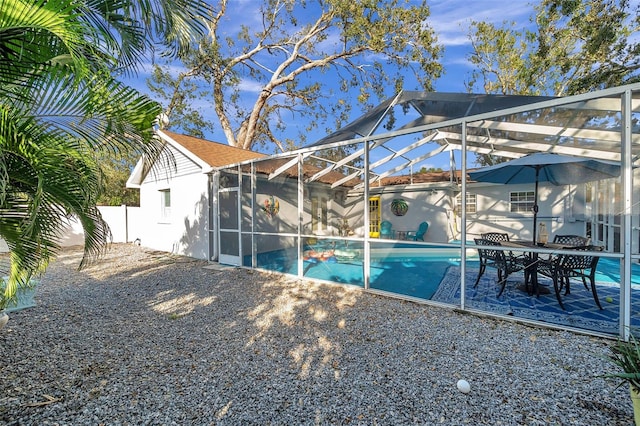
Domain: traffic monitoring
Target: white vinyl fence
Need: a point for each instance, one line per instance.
(121, 219)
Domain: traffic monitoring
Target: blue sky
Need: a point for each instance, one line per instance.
(449, 18)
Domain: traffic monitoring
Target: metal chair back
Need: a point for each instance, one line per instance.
(571, 240)
(573, 265)
(487, 254)
(495, 236)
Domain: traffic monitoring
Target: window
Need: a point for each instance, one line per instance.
(165, 204)
(319, 214)
(521, 201)
(471, 203)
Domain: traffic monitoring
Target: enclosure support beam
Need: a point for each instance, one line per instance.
(627, 182)
(463, 216)
(300, 246)
(367, 218)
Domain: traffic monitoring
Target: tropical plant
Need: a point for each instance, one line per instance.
(626, 356)
(62, 109)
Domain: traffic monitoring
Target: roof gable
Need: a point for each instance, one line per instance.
(205, 154)
(213, 154)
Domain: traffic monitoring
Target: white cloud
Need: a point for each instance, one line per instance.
(330, 42)
(250, 86)
(458, 60)
(450, 18)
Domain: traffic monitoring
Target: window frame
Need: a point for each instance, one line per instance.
(472, 205)
(521, 201)
(165, 204)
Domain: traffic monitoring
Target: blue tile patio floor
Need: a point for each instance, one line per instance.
(581, 310)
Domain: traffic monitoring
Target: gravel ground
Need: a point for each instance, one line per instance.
(146, 338)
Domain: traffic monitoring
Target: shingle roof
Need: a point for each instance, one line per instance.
(215, 154)
(423, 177)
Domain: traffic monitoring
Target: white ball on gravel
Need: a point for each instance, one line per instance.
(463, 386)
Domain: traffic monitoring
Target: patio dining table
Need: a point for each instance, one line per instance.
(531, 284)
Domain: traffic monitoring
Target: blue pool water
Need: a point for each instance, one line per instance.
(409, 270)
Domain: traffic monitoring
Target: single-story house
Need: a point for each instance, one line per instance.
(177, 214)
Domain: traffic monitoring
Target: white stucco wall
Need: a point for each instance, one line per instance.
(117, 218)
(73, 235)
(431, 206)
(185, 230)
(561, 208)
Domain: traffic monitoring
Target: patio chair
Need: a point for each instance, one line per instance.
(565, 266)
(386, 229)
(496, 258)
(419, 234)
(502, 236)
(571, 240)
(495, 236)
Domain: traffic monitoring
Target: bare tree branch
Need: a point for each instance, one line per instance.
(297, 55)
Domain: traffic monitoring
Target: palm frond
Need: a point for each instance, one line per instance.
(48, 181)
(37, 34)
(97, 114)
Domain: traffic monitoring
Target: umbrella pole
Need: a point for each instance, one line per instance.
(535, 206)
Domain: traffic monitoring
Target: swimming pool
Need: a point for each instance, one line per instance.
(405, 269)
(400, 268)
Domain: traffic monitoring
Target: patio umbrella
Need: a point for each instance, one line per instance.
(547, 167)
